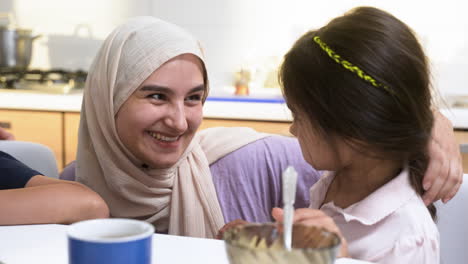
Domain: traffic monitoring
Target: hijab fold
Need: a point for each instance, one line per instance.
(181, 200)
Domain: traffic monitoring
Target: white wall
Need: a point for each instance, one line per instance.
(237, 33)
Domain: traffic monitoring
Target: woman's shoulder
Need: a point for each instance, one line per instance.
(275, 146)
(269, 154)
(260, 164)
(248, 180)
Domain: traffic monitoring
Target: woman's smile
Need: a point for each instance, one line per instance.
(164, 140)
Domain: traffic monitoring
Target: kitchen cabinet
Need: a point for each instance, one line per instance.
(71, 124)
(36, 126)
(273, 127)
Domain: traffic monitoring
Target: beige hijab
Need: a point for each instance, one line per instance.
(181, 200)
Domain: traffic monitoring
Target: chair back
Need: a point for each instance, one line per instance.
(452, 219)
(36, 156)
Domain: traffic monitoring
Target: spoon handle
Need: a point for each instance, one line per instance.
(289, 194)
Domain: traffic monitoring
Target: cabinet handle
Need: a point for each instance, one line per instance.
(5, 124)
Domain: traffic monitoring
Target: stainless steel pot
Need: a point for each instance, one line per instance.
(15, 46)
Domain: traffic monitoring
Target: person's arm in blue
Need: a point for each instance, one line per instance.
(27, 197)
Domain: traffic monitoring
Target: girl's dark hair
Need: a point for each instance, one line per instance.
(395, 125)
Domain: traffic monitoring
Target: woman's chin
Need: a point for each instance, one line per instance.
(162, 160)
(162, 164)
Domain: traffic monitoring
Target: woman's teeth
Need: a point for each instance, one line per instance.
(163, 138)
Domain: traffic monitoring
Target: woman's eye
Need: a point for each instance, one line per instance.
(195, 97)
(157, 96)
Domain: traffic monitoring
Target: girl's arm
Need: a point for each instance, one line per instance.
(47, 200)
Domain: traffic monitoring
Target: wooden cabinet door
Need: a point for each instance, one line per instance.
(72, 122)
(462, 138)
(36, 126)
(281, 128)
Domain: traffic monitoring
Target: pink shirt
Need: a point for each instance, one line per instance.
(391, 225)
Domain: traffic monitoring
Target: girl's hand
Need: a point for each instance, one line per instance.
(313, 217)
(229, 225)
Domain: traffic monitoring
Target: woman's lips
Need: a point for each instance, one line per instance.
(162, 137)
(164, 140)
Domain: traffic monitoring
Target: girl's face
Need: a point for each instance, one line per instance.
(158, 121)
(317, 149)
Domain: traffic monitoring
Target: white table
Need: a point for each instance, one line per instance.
(47, 244)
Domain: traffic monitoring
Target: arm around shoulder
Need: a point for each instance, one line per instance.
(47, 200)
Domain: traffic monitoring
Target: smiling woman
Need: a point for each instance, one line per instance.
(159, 120)
(138, 147)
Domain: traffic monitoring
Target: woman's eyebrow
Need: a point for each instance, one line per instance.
(164, 89)
(155, 88)
(198, 88)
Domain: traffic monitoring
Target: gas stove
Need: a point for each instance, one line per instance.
(55, 81)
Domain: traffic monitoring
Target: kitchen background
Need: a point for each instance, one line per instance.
(244, 40)
(237, 34)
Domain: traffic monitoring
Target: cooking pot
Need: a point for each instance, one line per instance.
(15, 45)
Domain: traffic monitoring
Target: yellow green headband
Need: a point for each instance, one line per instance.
(349, 66)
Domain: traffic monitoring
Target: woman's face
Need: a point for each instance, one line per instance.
(159, 120)
(316, 148)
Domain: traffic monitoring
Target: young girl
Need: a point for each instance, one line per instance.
(359, 90)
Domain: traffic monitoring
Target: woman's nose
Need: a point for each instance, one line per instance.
(177, 119)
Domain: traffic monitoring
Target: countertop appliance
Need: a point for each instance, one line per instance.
(54, 81)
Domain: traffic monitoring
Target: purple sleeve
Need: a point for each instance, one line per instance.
(68, 172)
(248, 180)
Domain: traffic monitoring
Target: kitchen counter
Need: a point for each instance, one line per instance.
(267, 110)
(26, 100)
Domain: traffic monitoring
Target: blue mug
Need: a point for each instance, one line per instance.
(116, 241)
